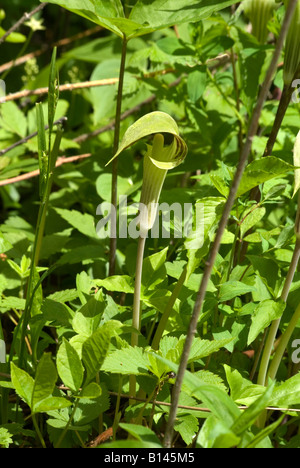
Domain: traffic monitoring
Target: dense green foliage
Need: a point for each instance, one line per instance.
(65, 320)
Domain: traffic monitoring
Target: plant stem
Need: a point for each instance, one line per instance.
(253, 127)
(284, 339)
(262, 380)
(114, 182)
(169, 307)
(62, 436)
(136, 312)
(36, 426)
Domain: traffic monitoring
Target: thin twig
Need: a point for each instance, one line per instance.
(29, 137)
(64, 87)
(60, 161)
(253, 127)
(22, 20)
(38, 53)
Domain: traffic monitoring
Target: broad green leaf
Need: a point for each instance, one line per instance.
(87, 319)
(127, 361)
(260, 171)
(122, 283)
(100, 12)
(187, 426)
(287, 393)
(258, 438)
(151, 268)
(14, 37)
(216, 434)
(251, 218)
(92, 390)
(69, 366)
(83, 222)
(249, 416)
(44, 381)
(51, 403)
(196, 83)
(22, 382)
(145, 16)
(263, 315)
(13, 119)
(214, 398)
(159, 14)
(142, 433)
(242, 391)
(94, 351)
(232, 289)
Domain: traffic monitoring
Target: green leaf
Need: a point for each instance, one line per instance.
(145, 16)
(249, 416)
(151, 269)
(127, 361)
(260, 171)
(14, 37)
(159, 14)
(250, 218)
(87, 319)
(69, 366)
(5, 438)
(213, 397)
(232, 289)
(287, 393)
(92, 390)
(122, 283)
(216, 434)
(83, 222)
(187, 426)
(196, 83)
(266, 311)
(94, 351)
(44, 381)
(141, 433)
(51, 403)
(22, 382)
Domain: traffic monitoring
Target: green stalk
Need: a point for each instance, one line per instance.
(114, 181)
(169, 307)
(284, 340)
(37, 429)
(65, 430)
(136, 313)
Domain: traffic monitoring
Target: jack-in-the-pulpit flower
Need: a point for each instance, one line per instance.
(259, 13)
(292, 48)
(158, 159)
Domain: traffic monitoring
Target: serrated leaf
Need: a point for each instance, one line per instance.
(83, 222)
(128, 361)
(187, 426)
